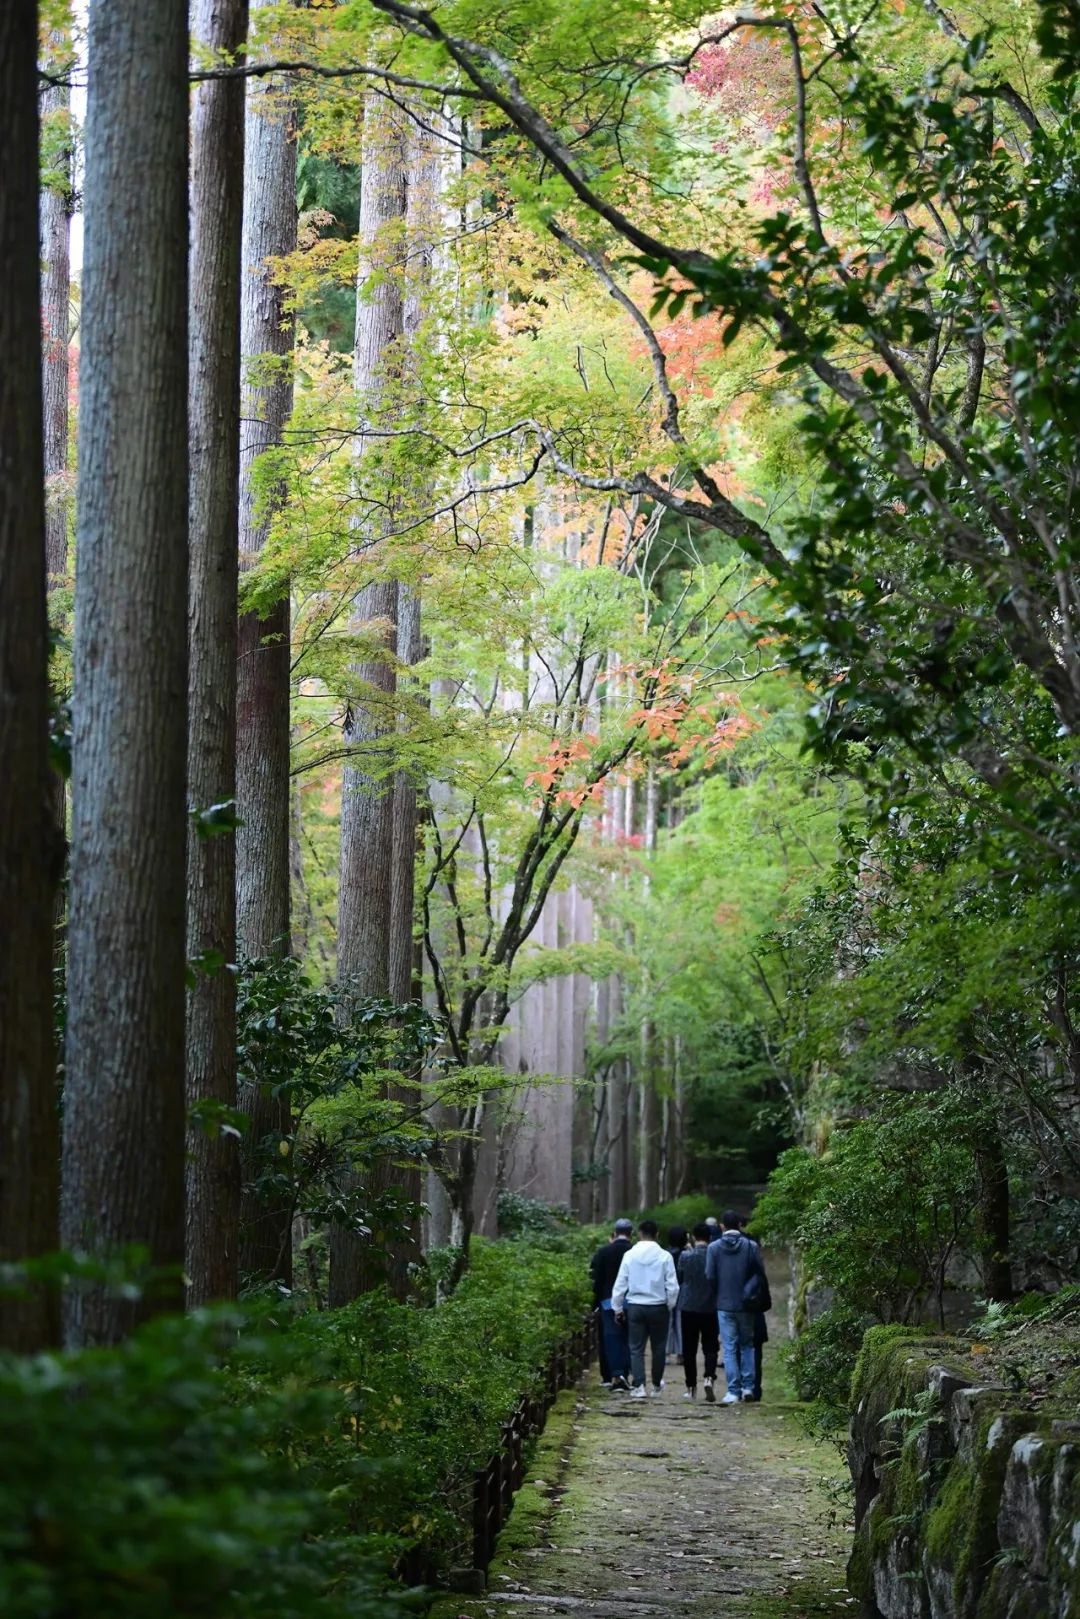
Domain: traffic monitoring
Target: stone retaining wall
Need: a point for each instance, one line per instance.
(967, 1495)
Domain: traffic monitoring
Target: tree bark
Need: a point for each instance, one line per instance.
(649, 1161)
(55, 227)
(423, 220)
(263, 653)
(365, 886)
(217, 197)
(28, 852)
(993, 1234)
(123, 1137)
(364, 899)
(679, 1153)
(404, 965)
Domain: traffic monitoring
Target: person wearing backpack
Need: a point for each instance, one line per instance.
(733, 1265)
(761, 1305)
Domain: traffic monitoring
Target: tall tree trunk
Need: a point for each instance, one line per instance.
(123, 1147)
(403, 966)
(263, 656)
(217, 198)
(55, 225)
(423, 221)
(679, 1153)
(28, 853)
(365, 887)
(993, 1235)
(649, 1162)
(631, 1132)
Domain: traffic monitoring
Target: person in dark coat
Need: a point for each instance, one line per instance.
(760, 1306)
(613, 1342)
(697, 1313)
(733, 1265)
(676, 1243)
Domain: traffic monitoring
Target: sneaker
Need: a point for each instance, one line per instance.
(729, 1399)
(710, 1392)
(619, 1384)
(691, 1394)
(638, 1393)
(655, 1390)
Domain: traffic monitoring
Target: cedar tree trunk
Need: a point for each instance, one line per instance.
(217, 199)
(262, 703)
(367, 805)
(55, 226)
(28, 852)
(123, 1137)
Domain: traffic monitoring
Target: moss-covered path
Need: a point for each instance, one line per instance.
(667, 1507)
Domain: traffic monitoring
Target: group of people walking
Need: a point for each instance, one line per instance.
(707, 1288)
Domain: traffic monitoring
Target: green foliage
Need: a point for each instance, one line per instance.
(878, 1214)
(143, 1482)
(232, 1464)
(687, 1212)
(428, 1389)
(333, 1059)
(518, 1215)
(821, 1360)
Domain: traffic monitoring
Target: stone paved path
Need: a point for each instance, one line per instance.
(634, 1510)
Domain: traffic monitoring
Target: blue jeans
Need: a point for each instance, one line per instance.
(737, 1337)
(616, 1342)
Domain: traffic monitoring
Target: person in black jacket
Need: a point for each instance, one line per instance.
(613, 1342)
(697, 1312)
(676, 1244)
(762, 1303)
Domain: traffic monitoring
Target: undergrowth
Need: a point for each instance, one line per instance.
(252, 1462)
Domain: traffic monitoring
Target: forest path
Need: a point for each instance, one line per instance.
(632, 1510)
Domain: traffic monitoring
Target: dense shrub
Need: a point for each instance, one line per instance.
(879, 1214)
(428, 1389)
(686, 1211)
(133, 1481)
(517, 1215)
(822, 1358)
(232, 1464)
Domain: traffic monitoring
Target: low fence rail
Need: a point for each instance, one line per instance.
(495, 1485)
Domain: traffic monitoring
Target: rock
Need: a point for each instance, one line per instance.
(899, 1588)
(966, 1409)
(1064, 1550)
(944, 1383)
(940, 1589)
(1024, 1514)
(970, 1507)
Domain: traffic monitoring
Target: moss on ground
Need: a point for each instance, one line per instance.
(744, 1508)
(804, 1598)
(535, 1504)
(534, 1508)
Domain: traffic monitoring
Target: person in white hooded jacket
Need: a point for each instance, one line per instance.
(646, 1291)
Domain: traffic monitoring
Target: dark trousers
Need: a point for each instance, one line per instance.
(601, 1351)
(647, 1321)
(761, 1338)
(616, 1347)
(703, 1325)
